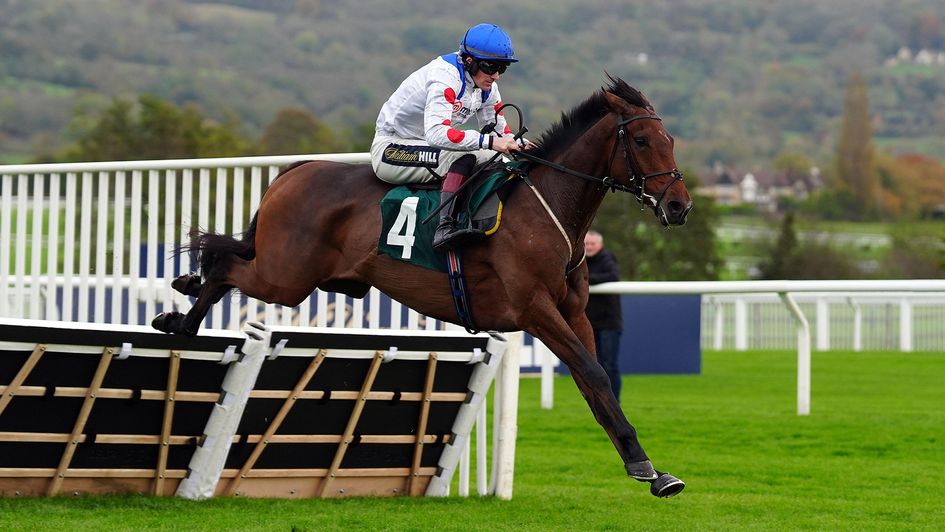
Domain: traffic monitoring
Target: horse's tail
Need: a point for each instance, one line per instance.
(212, 248)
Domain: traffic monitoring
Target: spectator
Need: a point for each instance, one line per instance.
(603, 310)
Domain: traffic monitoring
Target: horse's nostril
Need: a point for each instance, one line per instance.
(675, 208)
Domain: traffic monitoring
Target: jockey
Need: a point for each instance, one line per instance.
(417, 137)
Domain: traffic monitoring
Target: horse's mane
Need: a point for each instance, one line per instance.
(575, 122)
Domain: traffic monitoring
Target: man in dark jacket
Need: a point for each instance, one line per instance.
(603, 310)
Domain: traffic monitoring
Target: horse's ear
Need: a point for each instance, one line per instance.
(616, 103)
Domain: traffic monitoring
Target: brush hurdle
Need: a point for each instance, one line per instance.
(263, 412)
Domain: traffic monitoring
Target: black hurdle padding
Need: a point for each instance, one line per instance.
(375, 342)
(101, 335)
(136, 416)
(347, 374)
(77, 370)
(10, 364)
(34, 455)
(399, 417)
(38, 414)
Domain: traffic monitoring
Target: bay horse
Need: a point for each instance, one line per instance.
(319, 224)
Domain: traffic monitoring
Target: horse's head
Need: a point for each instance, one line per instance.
(642, 155)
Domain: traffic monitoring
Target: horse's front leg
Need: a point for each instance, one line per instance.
(556, 333)
(594, 385)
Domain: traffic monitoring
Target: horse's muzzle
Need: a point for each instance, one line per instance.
(673, 212)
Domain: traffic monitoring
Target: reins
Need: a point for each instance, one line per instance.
(636, 179)
(634, 175)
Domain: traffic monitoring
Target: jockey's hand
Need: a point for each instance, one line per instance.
(505, 145)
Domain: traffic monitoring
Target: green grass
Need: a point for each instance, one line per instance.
(931, 145)
(15, 158)
(870, 456)
(31, 85)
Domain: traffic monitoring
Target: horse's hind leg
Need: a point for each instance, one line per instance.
(188, 284)
(208, 292)
(188, 324)
(226, 274)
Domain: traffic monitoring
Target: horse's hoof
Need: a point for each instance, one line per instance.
(172, 322)
(159, 322)
(189, 284)
(167, 321)
(666, 485)
(642, 471)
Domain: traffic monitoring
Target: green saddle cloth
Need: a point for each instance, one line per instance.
(405, 238)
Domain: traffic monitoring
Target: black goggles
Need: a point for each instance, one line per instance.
(491, 67)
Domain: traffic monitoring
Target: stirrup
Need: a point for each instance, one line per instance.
(457, 238)
(445, 231)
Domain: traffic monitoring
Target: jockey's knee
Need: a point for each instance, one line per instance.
(464, 164)
(458, 172)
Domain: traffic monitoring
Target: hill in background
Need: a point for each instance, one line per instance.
(737, 82)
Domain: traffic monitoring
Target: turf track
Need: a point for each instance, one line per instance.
(870, 456)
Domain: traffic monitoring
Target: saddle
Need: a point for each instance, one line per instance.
(403, 235)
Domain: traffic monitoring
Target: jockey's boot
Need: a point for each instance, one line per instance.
(448, 236)
(446, 228)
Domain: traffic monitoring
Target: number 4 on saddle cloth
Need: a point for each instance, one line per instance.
(405, 238)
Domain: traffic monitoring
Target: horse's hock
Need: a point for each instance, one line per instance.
(270, 413)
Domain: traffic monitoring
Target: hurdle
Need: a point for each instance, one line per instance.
(286, 412)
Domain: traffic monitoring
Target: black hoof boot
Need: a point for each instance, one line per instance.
(642, 471)
(171, 322)
(189, 284)
(666, 485)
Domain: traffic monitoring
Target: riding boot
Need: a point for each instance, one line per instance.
(446, 228)
(447, 235)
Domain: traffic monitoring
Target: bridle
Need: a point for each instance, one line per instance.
(634, 170)
(636, 179)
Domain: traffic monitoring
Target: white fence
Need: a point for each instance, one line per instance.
(853, 321)
(786, 291)
(97, 242)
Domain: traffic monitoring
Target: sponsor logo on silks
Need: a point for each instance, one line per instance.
(403, 155)
(461, 113)
(450, 96)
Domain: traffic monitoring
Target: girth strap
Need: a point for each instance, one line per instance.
(459, 291)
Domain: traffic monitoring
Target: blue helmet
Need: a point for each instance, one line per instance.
(489, 42)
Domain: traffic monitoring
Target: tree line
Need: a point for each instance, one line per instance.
(740, 82)
(154, 128)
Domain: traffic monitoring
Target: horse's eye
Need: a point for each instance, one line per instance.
(641, 141)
